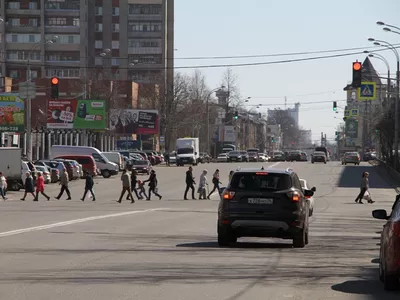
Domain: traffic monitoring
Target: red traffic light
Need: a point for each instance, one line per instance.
(356, 66)
(54, 80)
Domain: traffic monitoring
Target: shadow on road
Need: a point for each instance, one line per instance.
(351, 177)
(239, 245)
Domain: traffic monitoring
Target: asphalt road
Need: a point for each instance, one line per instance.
(167, 249)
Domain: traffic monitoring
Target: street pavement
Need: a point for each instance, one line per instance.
(167, 249)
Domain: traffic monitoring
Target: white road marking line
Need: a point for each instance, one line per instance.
(273, 165)
(76, 221)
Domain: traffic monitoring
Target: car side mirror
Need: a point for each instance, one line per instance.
(195, 153)
(221, 190)
(313, 189)
(380, 214)
(308, 193)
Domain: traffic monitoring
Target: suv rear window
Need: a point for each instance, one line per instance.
(260, 181)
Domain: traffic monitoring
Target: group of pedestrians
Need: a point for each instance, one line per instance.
(203, 184)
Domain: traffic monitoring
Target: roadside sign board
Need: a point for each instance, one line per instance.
(367, 91)
(162, 139)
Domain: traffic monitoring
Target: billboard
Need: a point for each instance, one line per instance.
(351, 128)
(12, 113)
(134, 121)
(76, 114)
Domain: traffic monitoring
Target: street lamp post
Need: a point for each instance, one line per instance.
(28, 97)
(396, 106)
(382, 58)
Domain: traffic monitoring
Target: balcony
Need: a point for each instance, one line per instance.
(22, 29)
(22, 12)
(62, 12)
(63, 63)
(138, 17)
(145, 50)
(63, 47)
(145, 34)
(62, 29)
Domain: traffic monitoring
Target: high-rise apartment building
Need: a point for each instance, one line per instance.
(128, 40)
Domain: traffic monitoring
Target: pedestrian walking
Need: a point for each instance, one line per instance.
(202, 185)
(231, 175)
(29, 186)
(126, 186)
(89, 183)
(3, 186)
(64, 181)
(40, 187)
(142, 190)
(364, 189)
(152, 185)
(133, 185)
(189, 183)
(166, 157)
(216, 183)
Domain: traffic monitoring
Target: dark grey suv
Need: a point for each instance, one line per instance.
(264, 203)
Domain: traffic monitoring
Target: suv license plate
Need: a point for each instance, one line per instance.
(260, 201)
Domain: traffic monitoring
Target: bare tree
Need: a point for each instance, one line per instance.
(291, 132)
(230, 81)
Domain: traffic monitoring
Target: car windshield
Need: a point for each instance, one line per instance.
(185, 151)
(260, 181)
(252, 154)
(222, 155)
(140, 163)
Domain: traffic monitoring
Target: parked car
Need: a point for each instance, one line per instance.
(45, 172)
(223, 157)
(86, 161)
(234, 156)
(262, 157)
(54, 165)
(172, 157)
(253, 156)
(389, 254)
(245, 156)
(318, 156)
(141, 166)
(204, 158)
(304, 156)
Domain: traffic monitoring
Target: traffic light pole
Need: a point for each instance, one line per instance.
(396, 118)
(28, 115)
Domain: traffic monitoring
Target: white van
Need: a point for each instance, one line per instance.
(116, 158)
(106, 167)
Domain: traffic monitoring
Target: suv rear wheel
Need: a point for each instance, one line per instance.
(225, 236)
(300, 240)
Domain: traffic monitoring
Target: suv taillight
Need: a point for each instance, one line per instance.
(294, 196)
(228, 195)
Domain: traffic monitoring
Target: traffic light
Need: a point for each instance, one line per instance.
(54, 87)
(273, 139)
(357, 76)
(236, 116)
(334, 106)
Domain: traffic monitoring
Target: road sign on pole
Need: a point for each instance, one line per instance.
(27, 90)
(162, 140)
(367, 91)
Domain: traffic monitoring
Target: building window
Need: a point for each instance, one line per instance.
(98, 61)
(14, 74)
(145, 59)
(34, 74)
(33, 5)
(14, 38)
(98, 10)
(115, 11)
(144, 43)
(23, 55)
(145, 26)
(62, 73)
(115, 44)
(56, 21)
(76, 22)
(58, 5)
(63, 57)
(32, 38)
(145, 9)
(13, 5)
(66, 39)
(14, 22)
(115, 27)
(99, 27)
(33, 22)
(98, 44)
(115, 61)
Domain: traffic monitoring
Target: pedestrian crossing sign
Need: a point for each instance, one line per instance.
(367, 91)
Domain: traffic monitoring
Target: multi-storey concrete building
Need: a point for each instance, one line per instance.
(85, 40)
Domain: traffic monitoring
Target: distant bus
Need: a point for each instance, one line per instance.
(323, 149)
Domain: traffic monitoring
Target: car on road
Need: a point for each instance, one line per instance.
(295, 156)
(264, 203)
(262, 157)
(45, 172)
(141, 166)
(204, 158)
(234, 156)
(245, 156)
(389, 254)
(253, 156)
(318, 156)
(304, 156)
(351, 158)
(311, 200)
(223, 157)
(278, 156)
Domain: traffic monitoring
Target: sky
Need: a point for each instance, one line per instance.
(215, 28)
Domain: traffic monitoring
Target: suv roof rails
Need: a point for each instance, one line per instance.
(289, 170)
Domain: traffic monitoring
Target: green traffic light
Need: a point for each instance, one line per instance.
(335, 109)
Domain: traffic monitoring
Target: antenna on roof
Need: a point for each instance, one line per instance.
(262, 168)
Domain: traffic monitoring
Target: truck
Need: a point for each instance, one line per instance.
(187, 151)
(11, 166)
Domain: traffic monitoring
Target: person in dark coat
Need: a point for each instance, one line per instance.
(89, 183)
(189, 183)
(152, 185)
(29, 186)
(133, 186)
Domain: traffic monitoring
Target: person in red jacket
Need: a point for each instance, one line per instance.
(40, 187)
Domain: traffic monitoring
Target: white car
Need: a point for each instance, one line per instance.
(262, 157)
(223, 157)
(45, 172)
(311, 200)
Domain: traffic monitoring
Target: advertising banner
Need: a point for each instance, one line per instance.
(134, 121)
(351, 128)
(76, 114)
(229, 134)
(12, 113)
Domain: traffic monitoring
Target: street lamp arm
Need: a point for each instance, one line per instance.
(380, 57)
(391, 47)
(392, 26)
